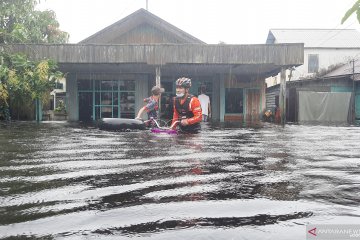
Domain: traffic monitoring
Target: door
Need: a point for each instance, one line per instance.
(252, 105)
(291, 106)
(85, 106)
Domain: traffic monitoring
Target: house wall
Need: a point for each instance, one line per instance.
(254, 97)
(274, 56)
(145, 34)
(271, 96)
(327, 57)
(72, 106)
(326, 85)
(253, 91)
(141, 91)
(357, 103)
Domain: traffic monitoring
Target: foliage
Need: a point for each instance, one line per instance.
(21, 23)
(4, 95)
(323, 71)
(351, 11)
(21, 79)
(61, 107)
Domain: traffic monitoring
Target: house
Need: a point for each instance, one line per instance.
(332, 98)
(111, 72)
(58, 94)
(323, 49)
(57, 103)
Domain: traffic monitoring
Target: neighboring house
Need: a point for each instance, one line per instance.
(57, 100)
(323, 48)
(111, 72)
(328, 99)
(58, 94)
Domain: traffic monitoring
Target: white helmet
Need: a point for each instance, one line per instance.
(183, 82)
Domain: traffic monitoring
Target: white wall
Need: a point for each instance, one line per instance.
(327, 57)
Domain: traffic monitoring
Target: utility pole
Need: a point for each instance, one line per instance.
(147, 5)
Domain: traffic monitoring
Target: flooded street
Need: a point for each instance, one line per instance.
(66, 181)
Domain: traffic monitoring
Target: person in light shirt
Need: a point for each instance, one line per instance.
(205, 104)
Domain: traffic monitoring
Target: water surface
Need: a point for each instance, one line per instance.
(67, 181)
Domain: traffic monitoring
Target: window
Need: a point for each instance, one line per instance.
(313, 63)
(109, 98)
(59, 85)
(127, 104)
(233, 100)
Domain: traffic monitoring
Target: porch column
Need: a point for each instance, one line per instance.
(141, 91)
(282, 96)
(38, 110)
(158, 83)
(158, 77)
(54, 105)
(72, 104)
(222, 98)
(215, 104)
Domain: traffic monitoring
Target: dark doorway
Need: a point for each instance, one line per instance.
(85, 106)
(291, 106)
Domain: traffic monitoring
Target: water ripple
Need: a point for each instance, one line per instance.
(67, 181)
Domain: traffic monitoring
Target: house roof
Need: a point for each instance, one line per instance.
(346, 69)
(141, 20)
(261, 60)
(316, 38)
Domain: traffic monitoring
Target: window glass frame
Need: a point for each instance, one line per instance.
(313, 63)
(113, 105)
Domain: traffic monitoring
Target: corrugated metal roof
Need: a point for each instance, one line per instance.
(316, 38)
(346, 69)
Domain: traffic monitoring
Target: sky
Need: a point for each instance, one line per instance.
(212, 21)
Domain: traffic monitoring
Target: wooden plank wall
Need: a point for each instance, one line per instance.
(270, 97)
(277, 54)
(252, 105)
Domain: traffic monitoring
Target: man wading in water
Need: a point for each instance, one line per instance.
(187, 108)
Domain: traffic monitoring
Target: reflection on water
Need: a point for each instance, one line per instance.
(60, 180)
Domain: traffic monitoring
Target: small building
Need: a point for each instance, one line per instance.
(58, 94)
(111, 72)
(332, 98)
(323, 49)
(57, 104)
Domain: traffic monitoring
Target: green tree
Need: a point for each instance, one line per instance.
(21, 23)
(21, 80)
(354, 9)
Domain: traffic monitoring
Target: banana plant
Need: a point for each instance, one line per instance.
(354, 9)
